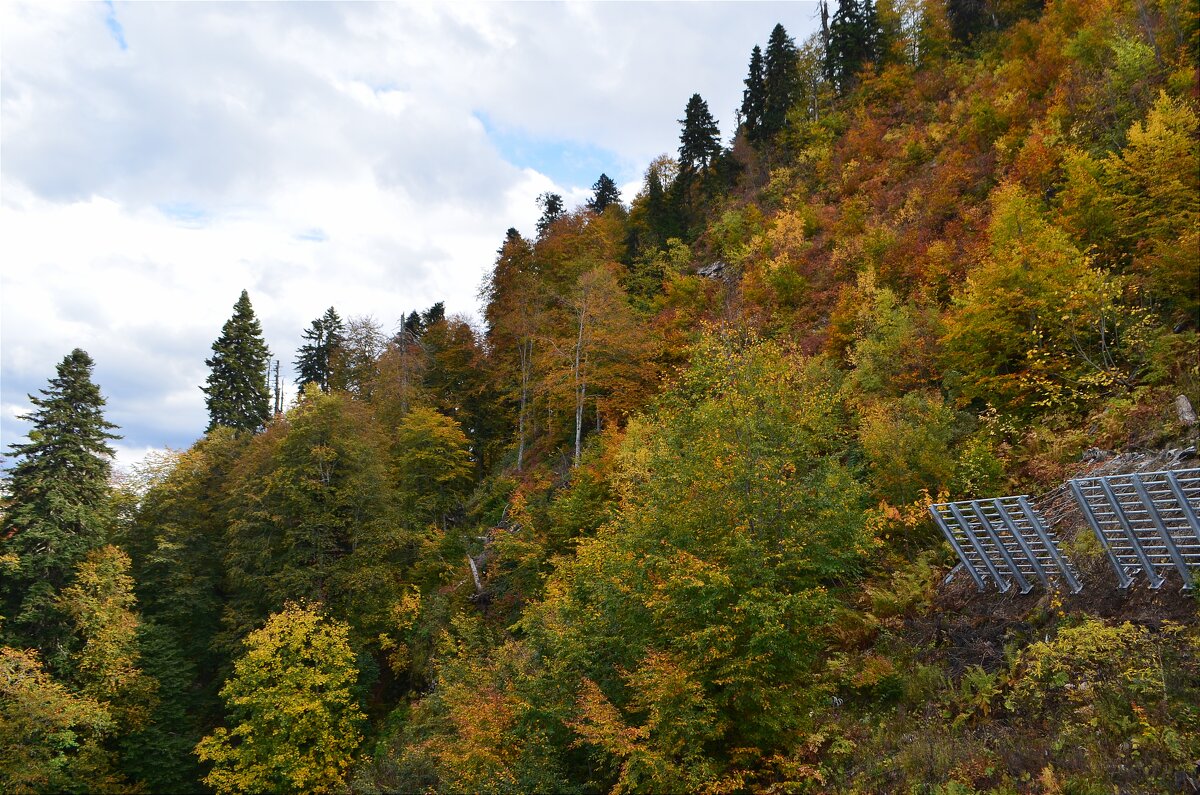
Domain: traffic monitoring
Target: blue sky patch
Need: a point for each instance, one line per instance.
(184, 213)
(114, 25)
(314, 235)
(568, 163)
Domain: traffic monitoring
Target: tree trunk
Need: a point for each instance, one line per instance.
(526, 351)
(580, 382)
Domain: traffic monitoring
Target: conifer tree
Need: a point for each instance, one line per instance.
(853, 40)
(700, 140)
(754, 97)
(552, 210)
(57, 503)
(237, 394)
(779, 69)
(312, 360)
(604, 193)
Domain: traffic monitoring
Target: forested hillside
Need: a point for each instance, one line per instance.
(657, 523)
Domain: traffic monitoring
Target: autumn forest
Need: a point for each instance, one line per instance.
(657, 520)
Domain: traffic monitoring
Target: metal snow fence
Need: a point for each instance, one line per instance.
(1146, 522)
(1004, 541)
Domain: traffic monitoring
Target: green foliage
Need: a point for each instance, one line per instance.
(236, 391)
(1035, 326)
(101, 604)
(700, 139)
(50, 738)
(853, 41)
(1106, 685)
(295, 723)
(907, 442)
(314, 514)
(604, 194)
(556, 580)
(780, 81)
(433, 465)
(176, 542)
(754, 97)
(314, 358)
(57, 506)
(735, 516)
(160, 754)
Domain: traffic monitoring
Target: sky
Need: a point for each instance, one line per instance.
(158, 158)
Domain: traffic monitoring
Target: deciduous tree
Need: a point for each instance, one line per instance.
(295, 722)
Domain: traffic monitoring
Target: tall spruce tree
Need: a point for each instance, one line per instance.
(313, 359)
(604, 193)
(781, 84)
(552, 210)
(58, 504)
(754, 97)
(853, 41)
(237, 394)
(700, 140)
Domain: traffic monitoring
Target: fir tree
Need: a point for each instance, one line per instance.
(312, 360)
(853, 41)
(552, 210)
(754, 97)
(604, 194)
(700, 140)
(779, 68)
(237, 394)
(58, 498)
(969, 18)
(414, 325)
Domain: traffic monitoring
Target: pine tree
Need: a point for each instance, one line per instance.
(700, 140)
(58, 497)
(312, 360)
(237, 394)
(779, 68)
(552, 210)
(604, 194)
(754, 97)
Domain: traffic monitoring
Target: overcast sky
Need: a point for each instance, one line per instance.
(158, 158)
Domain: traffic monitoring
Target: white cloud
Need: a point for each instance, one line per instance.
(314, 154)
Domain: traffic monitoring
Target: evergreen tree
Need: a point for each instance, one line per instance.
(700, 140)
(58, 497)
(779, 69)
(754, 97)
(853, 40)
(415, 324)
(661, 214)
(237, 394)
(604, 193)
(312, 360)
(552, 210)
(969, 18)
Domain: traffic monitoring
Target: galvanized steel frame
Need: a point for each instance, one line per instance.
(1029, 549)
(1146, 521)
